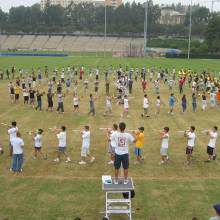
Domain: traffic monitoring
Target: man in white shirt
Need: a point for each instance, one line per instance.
(145, 106)
(164, 136)
(111, 142)
(191, 136)
(17, 158)
(85, 146)
(12, 131)
(213, 134)
(122, 140)
(61, 136)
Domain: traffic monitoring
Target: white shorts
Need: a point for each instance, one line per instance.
(85, 151)
(163, 151)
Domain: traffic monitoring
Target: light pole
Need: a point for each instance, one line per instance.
(105, 29)
(145, 28)
(190, 30)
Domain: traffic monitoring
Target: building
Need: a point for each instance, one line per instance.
(171, 17)
(66, 3)
(113, 3)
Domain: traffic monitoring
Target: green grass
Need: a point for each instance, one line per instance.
(48, 191)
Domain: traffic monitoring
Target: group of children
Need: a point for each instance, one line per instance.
(202, 86)
(118, 145)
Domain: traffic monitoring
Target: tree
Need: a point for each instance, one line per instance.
(213, 34)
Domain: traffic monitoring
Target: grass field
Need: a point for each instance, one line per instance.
(50, 191)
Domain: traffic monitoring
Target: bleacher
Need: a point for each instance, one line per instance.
(10, 42)
(39, 42)
(25, 42)
(68, 43)
(53, 42)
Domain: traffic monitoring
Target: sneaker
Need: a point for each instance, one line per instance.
(167, 158)
(82, 162)
(126, 181)
(92, 159)
(111, 162)
(116, 182)
(161, 162)
(56, 160)
(214, 157)
(68, 160)
(34, 158)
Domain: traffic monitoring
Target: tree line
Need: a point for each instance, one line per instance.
(124, 20)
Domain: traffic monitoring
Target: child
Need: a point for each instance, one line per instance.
(212, 99)
(139, 144)
(164, 136)
(26, 95)
(61, 136)
(204, 102)
(126, 106)
(37, 137)
(60, 108)
(112, 143)
(32, 97)
(85, 146)
(108, 106)
(213, 134)
(184, 103)
(75, 103)
(194, 102)
(145, 106)
(91, 105)
(50, 100)
(39, 100)
(158, 102)
(191, 136)
(171, 103)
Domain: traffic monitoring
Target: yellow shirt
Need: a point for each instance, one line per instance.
(140, 140)
(17, 90)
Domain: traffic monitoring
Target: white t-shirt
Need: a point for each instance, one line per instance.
(62, 139)
(213, 139)
(145, 103)
(85, 139)
(165, 141)
(158, 102)
(112, 139)
(12, 133)
(108, 102)
(38, 141)
(122, 140)
(75, 101)
(17, 144)
(191, 139)
(126, 103)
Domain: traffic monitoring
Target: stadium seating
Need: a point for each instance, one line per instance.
(53, 43)
(25, 42)
(10, 42)
(69, 43)
(39, 42)
(66, 43)
(2, 40)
